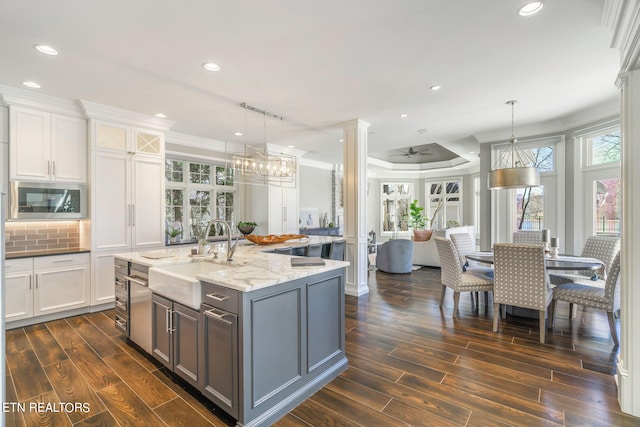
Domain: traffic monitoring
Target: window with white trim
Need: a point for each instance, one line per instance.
(195, 194)
(444, 202)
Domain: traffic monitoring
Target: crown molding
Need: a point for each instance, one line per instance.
(203, 143)
(623, 16)
(130, 118)
(316, 164)
(27, 98)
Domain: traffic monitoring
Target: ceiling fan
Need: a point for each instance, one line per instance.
(411, 152)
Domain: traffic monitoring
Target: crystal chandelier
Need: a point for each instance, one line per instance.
(514, 168)
(259, 166)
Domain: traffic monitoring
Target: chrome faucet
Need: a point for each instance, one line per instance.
(230, 249)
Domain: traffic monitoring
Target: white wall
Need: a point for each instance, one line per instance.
(315, 187)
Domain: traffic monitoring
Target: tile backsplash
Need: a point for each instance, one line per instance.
(41, 235)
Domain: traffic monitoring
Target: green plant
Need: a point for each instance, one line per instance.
(331, 225)
(173, 231)
(242, 224)
(417, 219)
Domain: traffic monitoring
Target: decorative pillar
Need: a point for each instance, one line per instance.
(628, 372)
(354, 196)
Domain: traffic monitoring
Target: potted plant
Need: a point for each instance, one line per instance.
(246, 227)
(418, 221)
(173, 233)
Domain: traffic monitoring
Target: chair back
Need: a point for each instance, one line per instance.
(464, 244)
(521, 277)
(336, 250)
(450, 268)
(284, 251)
(395, 256)
(528, 237)
(603, 248)
(313, 249)
(611, 288)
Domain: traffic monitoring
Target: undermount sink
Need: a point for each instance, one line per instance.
(178, 281)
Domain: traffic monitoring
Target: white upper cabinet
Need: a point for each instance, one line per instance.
(45, 146)
(120, 138)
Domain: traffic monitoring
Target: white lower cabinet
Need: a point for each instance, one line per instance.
(45, 285)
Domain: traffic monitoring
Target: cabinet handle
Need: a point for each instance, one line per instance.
(120, 303)
(48, 167)
(53, 162)
(217, 316)
(119, 267)
(169, 321)
(36, 281)
(30, 277)
(284, 213)
(63, 260)
(119, 283)
(133, 215)
(217, 298)
(138, 281)
(121, 323)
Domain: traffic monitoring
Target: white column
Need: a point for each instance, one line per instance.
(628, 375)
(354, 197)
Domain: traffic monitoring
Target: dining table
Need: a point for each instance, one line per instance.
(561, 262)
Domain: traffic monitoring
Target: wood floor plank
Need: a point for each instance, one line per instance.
(14, 416)
(94, 336)
(354, 411)
(312, 413)
(70, 386)
(16, 340)
(94, 370)
(364, 395)
(104, 320)
(416, 417)
(45, 346)
(127, 408)
(148, 362)
(146, 386)
(177, 413)
(43, 415)
(28, 376)
(103, 419)
(290, 420)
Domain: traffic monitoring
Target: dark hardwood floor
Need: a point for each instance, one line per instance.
(410, 363)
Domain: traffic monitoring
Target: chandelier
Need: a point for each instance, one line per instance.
(514, 168)
(259, 166)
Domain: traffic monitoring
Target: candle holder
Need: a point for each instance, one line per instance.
(553, 253)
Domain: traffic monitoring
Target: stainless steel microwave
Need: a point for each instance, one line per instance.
(47, 200)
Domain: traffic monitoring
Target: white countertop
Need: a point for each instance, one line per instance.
(252, 268)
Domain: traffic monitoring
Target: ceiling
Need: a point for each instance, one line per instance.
(319, 64)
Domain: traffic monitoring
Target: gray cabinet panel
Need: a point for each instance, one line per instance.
(161, 338)
(325, 322)
(185, 342)
(219, 358)
(276, 335)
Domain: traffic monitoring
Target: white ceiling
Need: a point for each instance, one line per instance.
(319, 64)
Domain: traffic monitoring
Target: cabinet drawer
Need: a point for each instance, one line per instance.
(220, 297)
(122, 303)
(58, 261)
(122, 285)
(121, 266)
(122, 322)
(11, 265)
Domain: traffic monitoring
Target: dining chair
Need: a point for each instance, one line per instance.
(453, 277)
(284, 251)
(464, 244)
(528, 237)
(313, 249)
(602, 248)
(521, 280)
(601, 296)
(336, 250)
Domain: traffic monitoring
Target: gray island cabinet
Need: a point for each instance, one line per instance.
(265, 351)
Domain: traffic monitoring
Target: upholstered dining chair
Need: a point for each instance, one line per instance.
(453, 277)
(520, 280)
(313, 249)
(528, 237)
(603, 248)
(284, 251)
(395, 256)
(464, 244)
(336, 250)
(601, 296)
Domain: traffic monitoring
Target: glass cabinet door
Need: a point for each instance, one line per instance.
(396, 198)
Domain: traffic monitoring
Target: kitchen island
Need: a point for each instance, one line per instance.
(255, 335)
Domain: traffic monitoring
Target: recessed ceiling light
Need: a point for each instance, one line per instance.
(210, 66)
(472, 152)
(291, 146)
(160, 115)
(530, 8)
(435, 87)
(403, 116)
(341, 140)
(31, 84)
(238, 134)
(47, 50)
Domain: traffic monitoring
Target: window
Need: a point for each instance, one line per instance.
(529, 208)
(601, 147)
(444, 203)
(192, 199)
(476, 204)
(396, 198)
(607, 207)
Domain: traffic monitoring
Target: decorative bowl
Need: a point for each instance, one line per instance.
(248, 229)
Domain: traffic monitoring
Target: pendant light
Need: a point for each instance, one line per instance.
(514, 168)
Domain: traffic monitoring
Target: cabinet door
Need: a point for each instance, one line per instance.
(30, 144)
(148, 202)
(161, 342)
(61, 289)
(111, 209)
(110, 137)
(18, 302)
(102, 280)
(290, 197)
(148, 142)
(185, 343)
(219, 359)
(277, 211)
(68, 149)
